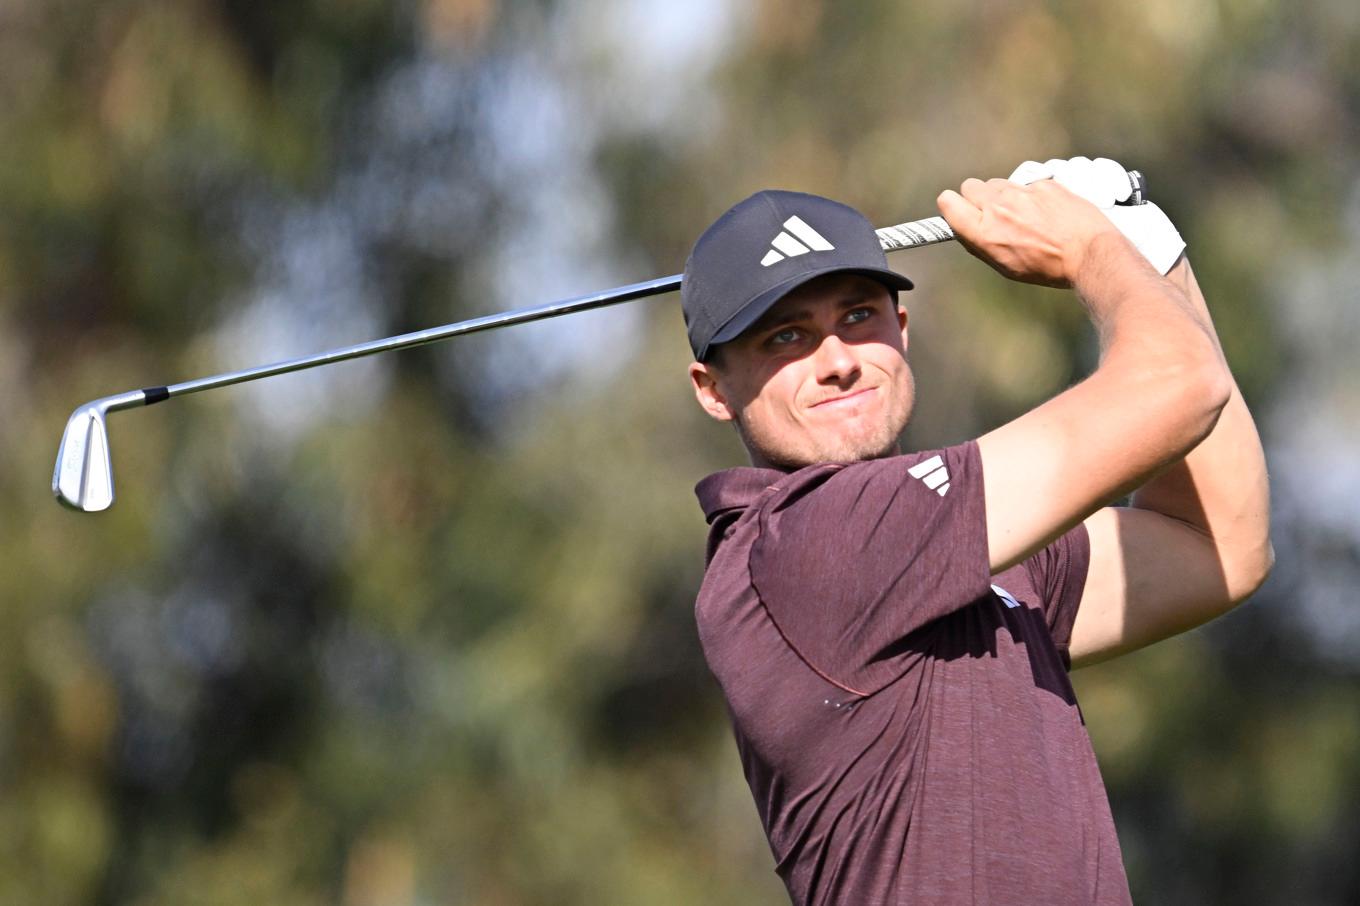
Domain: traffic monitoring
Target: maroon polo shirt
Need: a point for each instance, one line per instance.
(905, 720)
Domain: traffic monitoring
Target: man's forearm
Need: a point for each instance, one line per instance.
(1161, 370)
(1220, 487)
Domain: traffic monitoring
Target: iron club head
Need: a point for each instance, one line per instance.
(83, 477)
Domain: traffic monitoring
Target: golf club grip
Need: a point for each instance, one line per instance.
(914, 234)
(934, 229)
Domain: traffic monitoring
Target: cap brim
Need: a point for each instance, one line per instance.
(751, 311)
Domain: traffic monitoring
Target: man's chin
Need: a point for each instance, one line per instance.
(852, 440)
(792, 461)
(863, 452)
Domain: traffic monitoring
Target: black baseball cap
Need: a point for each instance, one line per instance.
(764, 248)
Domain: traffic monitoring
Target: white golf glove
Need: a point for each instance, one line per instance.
(1105, 183)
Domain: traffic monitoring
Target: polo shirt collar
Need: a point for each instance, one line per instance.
(734, 489)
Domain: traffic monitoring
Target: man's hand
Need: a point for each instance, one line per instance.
(1038, 233)
(1105, 183)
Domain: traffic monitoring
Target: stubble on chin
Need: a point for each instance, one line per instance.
(823, 447)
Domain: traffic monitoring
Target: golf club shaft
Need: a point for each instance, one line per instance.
(421, 337)
(83, 476)
(902, 236)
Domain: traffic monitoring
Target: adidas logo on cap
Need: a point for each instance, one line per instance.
(786, 246)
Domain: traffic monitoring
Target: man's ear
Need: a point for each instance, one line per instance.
(902, 323)
(708, 394)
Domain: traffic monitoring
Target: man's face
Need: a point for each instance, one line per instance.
(821, 377)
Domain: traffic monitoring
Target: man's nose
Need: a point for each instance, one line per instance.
(836, 361)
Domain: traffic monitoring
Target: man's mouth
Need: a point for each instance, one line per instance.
(844, 398)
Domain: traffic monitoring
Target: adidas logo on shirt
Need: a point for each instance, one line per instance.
(1006, 597)
(933, 473)
(787, 246)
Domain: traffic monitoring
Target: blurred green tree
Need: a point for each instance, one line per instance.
(419, 630)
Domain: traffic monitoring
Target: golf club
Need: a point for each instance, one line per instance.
(83, 477)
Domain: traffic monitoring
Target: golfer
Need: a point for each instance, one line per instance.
(893, 632)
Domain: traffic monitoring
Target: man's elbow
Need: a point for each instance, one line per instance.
(1203, 389)
(1248, 571)
(1218, 387)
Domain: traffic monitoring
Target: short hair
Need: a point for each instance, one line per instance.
(715, 355)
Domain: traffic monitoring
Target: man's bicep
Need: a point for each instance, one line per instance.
(1150, 577)
(1044, 472)
(1052, 467)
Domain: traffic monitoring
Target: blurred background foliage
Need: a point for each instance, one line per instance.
(418, 630)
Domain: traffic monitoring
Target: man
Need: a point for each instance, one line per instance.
(893, 632)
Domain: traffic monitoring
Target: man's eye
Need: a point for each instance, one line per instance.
(859, 314)
(788, 335)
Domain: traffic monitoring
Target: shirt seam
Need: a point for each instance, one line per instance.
(798, 652)
(762, 512)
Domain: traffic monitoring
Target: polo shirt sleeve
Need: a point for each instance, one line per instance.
(849, 560)
(1058, 573)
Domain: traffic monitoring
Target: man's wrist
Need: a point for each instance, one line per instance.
(1098, 261)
